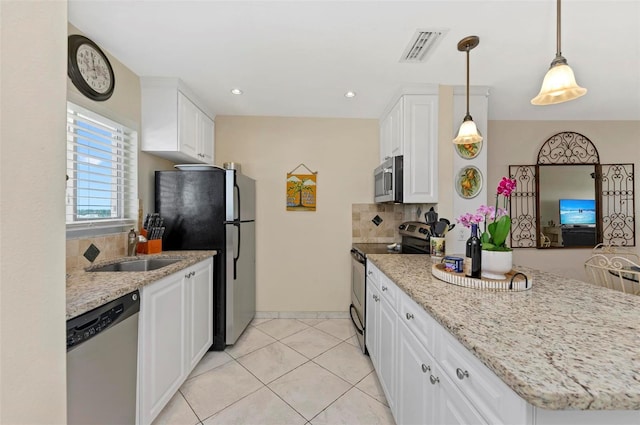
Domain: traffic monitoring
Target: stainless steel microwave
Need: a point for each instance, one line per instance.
(388, 180)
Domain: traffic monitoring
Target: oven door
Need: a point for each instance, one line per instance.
(358, 294)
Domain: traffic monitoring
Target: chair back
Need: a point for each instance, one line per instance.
(614, 272)
(617, 251)
(545, 241)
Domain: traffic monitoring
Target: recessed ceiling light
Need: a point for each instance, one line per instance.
(236, 91)
(350, 94)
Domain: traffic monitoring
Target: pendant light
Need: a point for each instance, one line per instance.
(559, 84)
(468, 132)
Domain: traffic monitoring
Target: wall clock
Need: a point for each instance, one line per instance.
(89, 69)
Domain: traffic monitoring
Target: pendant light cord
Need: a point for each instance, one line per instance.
(467, 81)
(558, 49)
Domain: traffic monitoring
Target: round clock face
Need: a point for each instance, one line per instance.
(89, 69)
(93, 68)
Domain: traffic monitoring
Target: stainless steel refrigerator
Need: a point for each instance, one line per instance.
(215, 209)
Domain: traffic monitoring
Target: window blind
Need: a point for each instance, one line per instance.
(102, 175)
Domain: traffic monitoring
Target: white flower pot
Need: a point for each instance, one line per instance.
(495, 264)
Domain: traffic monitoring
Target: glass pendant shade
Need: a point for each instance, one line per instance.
(468, 132)
(559, 85)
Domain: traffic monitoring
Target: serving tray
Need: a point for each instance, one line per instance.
(516, 281)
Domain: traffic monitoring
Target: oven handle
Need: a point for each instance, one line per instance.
(360, 328)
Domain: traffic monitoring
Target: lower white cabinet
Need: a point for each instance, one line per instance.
(381, 328)
(175, 331)
(387, 351)
(416, 394)
(429, 377)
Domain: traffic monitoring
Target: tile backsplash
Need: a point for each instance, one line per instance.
(388, 216)
(110, 246)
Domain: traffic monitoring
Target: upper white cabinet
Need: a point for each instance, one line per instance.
(174, 126)
(391, 133)
(409, 128)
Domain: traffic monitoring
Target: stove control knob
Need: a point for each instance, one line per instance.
(423, 231)
(402, 227)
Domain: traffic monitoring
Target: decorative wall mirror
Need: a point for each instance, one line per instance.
(570, 200)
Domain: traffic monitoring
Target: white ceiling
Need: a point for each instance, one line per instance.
(298, 58)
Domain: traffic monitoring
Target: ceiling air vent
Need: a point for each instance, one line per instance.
(421, 44)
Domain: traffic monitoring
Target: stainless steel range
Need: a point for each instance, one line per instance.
(415, 240)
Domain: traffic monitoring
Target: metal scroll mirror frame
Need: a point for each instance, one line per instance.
(569, 154)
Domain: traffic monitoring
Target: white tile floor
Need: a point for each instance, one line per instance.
(283, 371)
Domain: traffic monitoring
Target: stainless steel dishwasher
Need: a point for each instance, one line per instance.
(102, 351)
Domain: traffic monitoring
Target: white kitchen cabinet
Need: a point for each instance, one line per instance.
(391, 139)
(498, 403)
(161, 344)
(175, 331)
(372, 325)
(410, 128)
(174, 124)
(387, 350)
(200, 320)
(381, 326)
(416, 395)
(427, 378)
(453, 408)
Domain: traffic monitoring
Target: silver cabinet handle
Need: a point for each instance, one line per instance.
(376, 298)
(426, 368)
(188, 275)
(369, 272)
(409, 316)
(434, 379)
(384, 288)
(462, 373)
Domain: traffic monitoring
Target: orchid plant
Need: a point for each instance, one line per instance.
(494, 236)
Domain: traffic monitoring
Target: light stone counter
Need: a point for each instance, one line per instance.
(88, 290)
(564, 344)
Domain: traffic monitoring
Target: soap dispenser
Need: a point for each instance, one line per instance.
(132, 243)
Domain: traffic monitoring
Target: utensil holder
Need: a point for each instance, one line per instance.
(153, 246)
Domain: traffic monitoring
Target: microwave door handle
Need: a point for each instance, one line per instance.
(387, 180)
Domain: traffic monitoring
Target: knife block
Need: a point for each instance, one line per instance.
(153, 246)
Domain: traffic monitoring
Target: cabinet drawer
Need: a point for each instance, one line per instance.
(373, 274)
(492, 397)
(389, 291)
(421, 324)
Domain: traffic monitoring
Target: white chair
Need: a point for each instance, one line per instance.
(614, 272)
(617, 251)
(545, 241)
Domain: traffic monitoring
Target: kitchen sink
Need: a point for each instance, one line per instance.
(143, 265)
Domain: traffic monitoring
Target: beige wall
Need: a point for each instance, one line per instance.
(123, 107)
(518, 142)
(302, 257)
(32, 233)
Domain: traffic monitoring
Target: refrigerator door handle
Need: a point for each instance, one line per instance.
(236, 189)
(236, 257)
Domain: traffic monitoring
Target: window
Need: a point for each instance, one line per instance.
(102, 178)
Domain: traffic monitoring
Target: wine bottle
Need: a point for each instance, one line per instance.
(473, 254)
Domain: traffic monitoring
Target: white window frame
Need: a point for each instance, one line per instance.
(123, 192)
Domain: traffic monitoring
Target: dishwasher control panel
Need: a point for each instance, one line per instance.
(84, 327)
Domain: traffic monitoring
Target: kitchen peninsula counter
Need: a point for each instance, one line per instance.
(88, 290)
(564, 344)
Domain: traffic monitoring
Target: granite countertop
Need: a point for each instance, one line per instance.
(564, 344)
(88, 290)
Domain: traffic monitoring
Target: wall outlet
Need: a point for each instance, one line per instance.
(462, 234)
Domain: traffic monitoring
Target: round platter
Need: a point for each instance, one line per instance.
(516, 281)
(469, 182)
